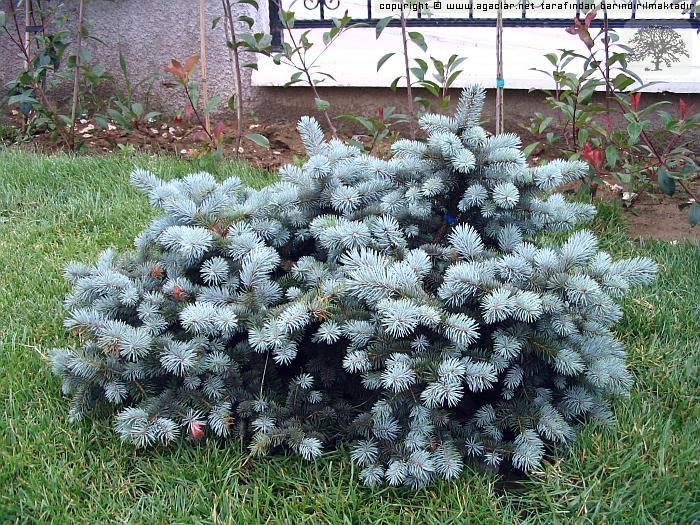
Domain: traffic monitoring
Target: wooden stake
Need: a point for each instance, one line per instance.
(27, 34)
(236, 69)
(76, 76)
(409, 95)
(203, 63)
(499, 69)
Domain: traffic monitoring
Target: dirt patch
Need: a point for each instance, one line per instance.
(660, 218)
(183, 141)
(654, 215)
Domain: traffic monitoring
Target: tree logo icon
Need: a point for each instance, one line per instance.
(658, 43)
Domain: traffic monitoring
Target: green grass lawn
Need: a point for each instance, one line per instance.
(57, 209)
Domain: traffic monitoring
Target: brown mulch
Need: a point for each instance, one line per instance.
(185, 142)
(652, 214)
(659, 217)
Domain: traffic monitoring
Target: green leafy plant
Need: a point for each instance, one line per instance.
(644, 153)
(47, 67)
(182, 75)
(378, 127)
(296, 54)
(578, 114)
(77, 66)
(129, 118)
(8, 134)
(129, 106)
(43, 56)
(236, 41)
(400, 304)
(616, 135)
(444, 73)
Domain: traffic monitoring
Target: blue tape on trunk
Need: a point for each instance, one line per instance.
(500, 83)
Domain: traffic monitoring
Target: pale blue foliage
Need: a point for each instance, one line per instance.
(474, 195)
(372, 475)
(406, 302)
(466, 240)
(398, 375)
(448, 460)
(191, 243)
(579, 248)
(506, 195)
(310, 448)
(461, 329)
(469, 108)
(529, 450)
(438, 123)
(365, 452)
(464, 161)
(311, 135)
(179, 357)
(498, 305)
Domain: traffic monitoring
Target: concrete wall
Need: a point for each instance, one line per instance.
(519, 105)
(150, 33)
(353, 57)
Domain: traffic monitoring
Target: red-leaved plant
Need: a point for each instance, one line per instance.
(615, 133)
(182, 74)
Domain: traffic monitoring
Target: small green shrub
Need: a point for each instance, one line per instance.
(8, 134)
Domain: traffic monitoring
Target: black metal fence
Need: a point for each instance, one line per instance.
(327, 10)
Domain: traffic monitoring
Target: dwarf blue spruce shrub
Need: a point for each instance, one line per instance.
(400, 305)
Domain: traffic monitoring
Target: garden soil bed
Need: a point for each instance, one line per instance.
(649, 215)
(285, 143)
(658, 217)
(654, 215)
